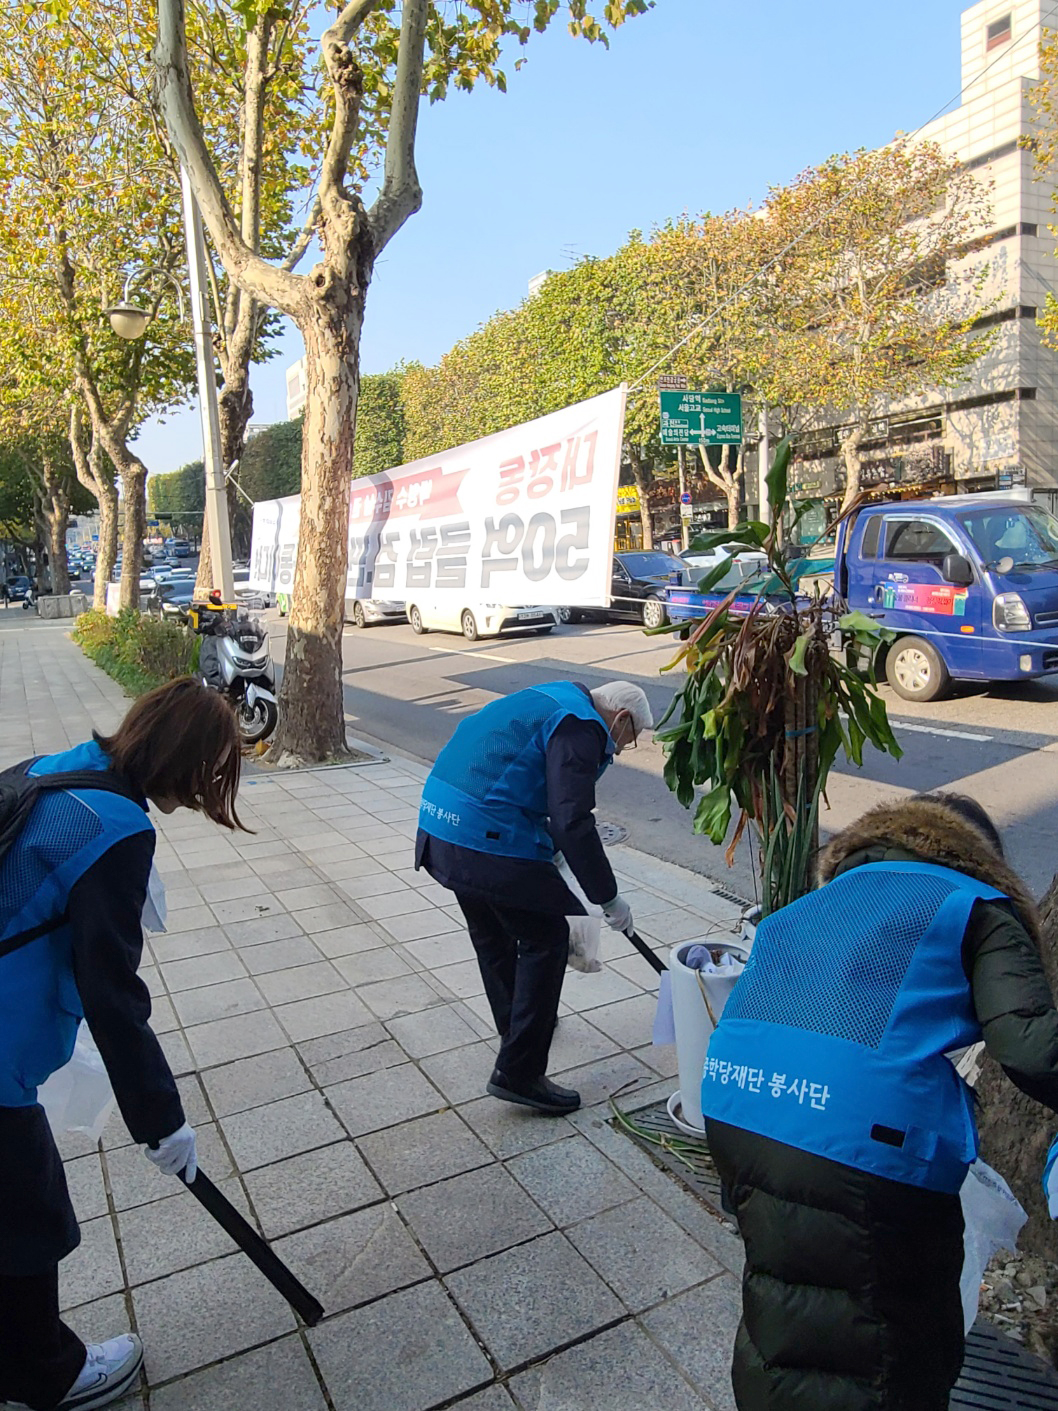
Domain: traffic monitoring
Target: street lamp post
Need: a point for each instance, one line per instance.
(216, 493)
(128, 320)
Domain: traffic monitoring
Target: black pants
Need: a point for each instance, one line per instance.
(522, 955)
(40, 1358)
(850, 1297)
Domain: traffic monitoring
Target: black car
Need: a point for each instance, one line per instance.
(637, 589)
(171, 599)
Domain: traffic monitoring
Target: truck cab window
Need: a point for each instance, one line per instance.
(917, 541)
(869, 545)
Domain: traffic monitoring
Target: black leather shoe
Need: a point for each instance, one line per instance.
(541, 1094)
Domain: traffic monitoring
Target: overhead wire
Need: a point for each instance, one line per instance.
(903, 140)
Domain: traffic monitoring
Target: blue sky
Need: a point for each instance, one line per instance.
(698, 105)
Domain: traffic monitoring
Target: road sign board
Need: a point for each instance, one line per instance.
(672, 382)
(686, 511)
(685, 498)
(701, 418)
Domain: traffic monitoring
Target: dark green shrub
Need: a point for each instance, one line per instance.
(137, 650)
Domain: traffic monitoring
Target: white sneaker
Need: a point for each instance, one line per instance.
(109, 1371)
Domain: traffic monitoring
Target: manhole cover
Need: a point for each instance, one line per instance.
(611, 833)
(997, 1374)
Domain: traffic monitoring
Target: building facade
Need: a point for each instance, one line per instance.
(297, 388)
(1000, 428)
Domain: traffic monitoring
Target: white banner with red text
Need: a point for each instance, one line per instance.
(524, 516)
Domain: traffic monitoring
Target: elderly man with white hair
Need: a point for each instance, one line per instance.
(513, 786)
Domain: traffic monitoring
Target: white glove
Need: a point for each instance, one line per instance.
(176, 1153)
(618, 914)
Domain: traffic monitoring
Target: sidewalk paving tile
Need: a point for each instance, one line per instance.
(136, 1181)
(508, 1130)
(462, 1073)
(424, 1151)
(237, 1036)
(218, 1002)
(279, 955)
(351, 1053)
(381, 963)
(677, 1326)
(383, 1099)
(93, 1269)
(200, 1315)
(355, 1259)
(253, 1082)
(84, 1180)
(406, 994)
(407, 1352)
(571, 1180)
(301, 982)
(172, 1234)
(284, 1128)
(313, 1186)
(278, 1375)
(494, 1398)
(642, 1254)
(434, 1030)
(472, 1216)
(324, 1014)
(348, 940)
(620, 1370)
(198, 970)
(527, 1301)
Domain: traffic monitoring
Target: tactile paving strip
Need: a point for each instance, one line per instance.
(997, 1375)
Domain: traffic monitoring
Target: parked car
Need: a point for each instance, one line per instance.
(637, 590)
(700, 561)
(363, 612)
(171, 599)
(478, 619)
(18, 587)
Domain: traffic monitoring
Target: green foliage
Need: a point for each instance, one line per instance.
(731, 730)
(138, 651)
(270, 467)
(380, 428)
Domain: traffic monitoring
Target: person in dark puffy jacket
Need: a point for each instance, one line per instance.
(841, 1131)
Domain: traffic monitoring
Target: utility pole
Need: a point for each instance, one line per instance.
(763, 465)
(201, 323)
(685, 526)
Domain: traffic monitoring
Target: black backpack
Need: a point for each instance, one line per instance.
(19, 791)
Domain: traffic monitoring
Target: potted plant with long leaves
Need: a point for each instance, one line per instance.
(766, 705)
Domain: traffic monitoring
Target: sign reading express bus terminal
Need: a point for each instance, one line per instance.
(524, 516)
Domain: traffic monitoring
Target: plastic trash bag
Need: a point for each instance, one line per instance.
(78, 1097)
(585, 932)
(155, 907)
(993, 1221)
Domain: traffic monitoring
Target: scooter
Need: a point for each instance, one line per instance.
(235, 659)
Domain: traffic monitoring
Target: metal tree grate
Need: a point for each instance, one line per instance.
(997, 1374)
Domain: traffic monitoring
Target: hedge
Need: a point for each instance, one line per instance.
(138, 651)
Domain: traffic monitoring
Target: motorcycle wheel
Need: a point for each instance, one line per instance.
(257, 721)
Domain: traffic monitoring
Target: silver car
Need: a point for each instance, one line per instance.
(363, 612)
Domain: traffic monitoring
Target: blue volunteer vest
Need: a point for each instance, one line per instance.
(834, 1037)
(488, 788)
(67, 831)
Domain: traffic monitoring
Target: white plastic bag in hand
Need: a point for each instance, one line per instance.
(993, 1221)
(78, 1097)
(585, 935)
(585, 932)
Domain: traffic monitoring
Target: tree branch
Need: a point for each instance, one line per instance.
(401, 194)
(175, 100)
(348, 22)
(304, 240)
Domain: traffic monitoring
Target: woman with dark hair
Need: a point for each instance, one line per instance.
(840, 1129)
(73, 886)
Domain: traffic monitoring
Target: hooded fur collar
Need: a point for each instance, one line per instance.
(931, 833)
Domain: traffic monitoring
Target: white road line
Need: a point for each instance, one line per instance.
(946, 734)
(463, 652)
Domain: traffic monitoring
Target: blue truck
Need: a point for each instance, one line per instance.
(967, 583)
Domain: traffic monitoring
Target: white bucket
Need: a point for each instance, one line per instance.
(694, 1025)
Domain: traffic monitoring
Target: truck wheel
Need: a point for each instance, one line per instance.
(654, 614)
(915, 671)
